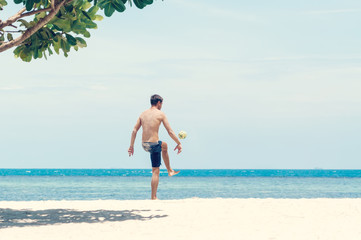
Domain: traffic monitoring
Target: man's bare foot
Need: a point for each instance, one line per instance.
(172, 173)
(155, 198)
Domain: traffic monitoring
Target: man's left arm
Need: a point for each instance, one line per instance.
(172, 134)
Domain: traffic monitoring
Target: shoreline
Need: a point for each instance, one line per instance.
(193, 218)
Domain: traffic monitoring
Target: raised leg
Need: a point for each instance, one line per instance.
(154, 182)
(165, 157)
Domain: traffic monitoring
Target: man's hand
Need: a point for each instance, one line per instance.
(131, 151)
(179, 147)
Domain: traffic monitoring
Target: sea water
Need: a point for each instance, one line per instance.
(129, 184)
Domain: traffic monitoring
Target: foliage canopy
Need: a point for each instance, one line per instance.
(56, 25)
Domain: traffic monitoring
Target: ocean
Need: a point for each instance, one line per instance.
(130, 184)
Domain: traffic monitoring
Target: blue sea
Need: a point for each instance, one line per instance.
(129, 184)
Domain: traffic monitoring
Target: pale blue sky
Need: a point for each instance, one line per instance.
(256, 84)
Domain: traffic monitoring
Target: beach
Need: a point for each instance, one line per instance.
(182, 219)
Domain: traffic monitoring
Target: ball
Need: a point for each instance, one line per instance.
(182, 134)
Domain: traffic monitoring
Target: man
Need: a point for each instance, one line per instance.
(150, 120)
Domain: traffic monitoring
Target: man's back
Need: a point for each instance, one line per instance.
(150, 121)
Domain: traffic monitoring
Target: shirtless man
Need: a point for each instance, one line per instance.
(150, 120)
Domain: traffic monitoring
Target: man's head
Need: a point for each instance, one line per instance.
(156, 101)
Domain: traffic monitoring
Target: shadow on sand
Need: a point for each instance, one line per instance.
(24, 218)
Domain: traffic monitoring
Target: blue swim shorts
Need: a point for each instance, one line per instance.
(155, 150)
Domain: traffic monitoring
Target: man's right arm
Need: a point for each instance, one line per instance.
(134, 134)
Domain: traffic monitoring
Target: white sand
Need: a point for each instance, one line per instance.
(183, 219)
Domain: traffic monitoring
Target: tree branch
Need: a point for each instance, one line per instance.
(34, 29)
(13, 31)
(20, 14)
(12, 19)
(35, 12)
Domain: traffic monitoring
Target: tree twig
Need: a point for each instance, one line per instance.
(13, 31)
(12, 19)
(35, 12)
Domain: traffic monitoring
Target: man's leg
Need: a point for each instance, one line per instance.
(165, 156)
(154, 182)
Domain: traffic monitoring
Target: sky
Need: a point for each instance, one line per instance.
(255, 84)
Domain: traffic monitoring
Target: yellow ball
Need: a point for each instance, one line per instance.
(182, 134)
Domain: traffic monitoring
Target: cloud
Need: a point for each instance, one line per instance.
(213, 11)
(11, 88)
(307, 57)
(332, 11)
(98, 87)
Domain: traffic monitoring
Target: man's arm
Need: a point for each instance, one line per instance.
(172, 134)
(134, 134)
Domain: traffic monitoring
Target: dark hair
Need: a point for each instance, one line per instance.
(155, 99)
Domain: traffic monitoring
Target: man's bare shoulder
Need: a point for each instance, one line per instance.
(144, 113)
(161, 113)
(152, 114)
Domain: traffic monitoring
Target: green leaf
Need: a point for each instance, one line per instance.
(86, 34)
(57, 28)
(57, 37)
(86, 5)
(65, 46)
(86, 14)
(28, 58)
(98, 17)
(109, 10)
(56, 45)
(18, 1)
(42, 35)
(91, 25)
(148, 2)
(93, 10)
(102, 3)
(139, 4)
(118, 5)
(36, 53)
(50, 52)
(24, 23)
(80, 42)
(71, 39)
(77, 3)
(26, 54)
(35, 41)
(17, 50)
(2, 37)
(69, 8)
(40, 15)
(63, 24)
(10, 37)
(29, 5)
(49, 32)
(3, 3)
(78, 27)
